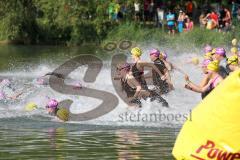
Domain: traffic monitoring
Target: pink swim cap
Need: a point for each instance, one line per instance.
(40, 81)
(207, 48)
(6, 82)
(205, 62)
(52, 103)
(221, 52)
(154, 52)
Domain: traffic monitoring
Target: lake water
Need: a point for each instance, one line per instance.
(124, 133)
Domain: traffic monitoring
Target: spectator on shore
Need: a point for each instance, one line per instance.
(117, 8)
(227, 20)
(137, 10)
(189, 25)
(160, 17)
(180, 21)
(202, 20)
(151, 10)
(146, 10)
(212, 20)
(238, 13)
(171, 22)
(111, 10)
(189, 8)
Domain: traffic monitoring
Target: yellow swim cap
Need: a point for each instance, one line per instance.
(233, 60)
(213, 51)
(234, 42)
(136, 52)
(234, 50)
(195, 61)
(208, 55)
(30, 106)
(213, 66)
(63, 114)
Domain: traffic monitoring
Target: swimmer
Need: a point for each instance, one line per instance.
(232, 63)
(163, 56)
(59, 112)
(138, 67)
(8, 91)
(220, 56)
(213, 78)
(163, 86)
(133, 89)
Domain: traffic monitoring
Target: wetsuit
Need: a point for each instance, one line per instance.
(131, 92)
(161, 86)
(223, 71)
(139, 76)
(211, 87)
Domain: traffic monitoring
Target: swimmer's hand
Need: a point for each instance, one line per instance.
(186, 78)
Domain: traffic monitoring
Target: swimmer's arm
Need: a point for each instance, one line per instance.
(168, 65)
(204, 81)
(151, 65)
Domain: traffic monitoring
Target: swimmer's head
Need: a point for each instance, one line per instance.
(213, 66)
(207, 49)
(124, 67)
(154, 52)
(233, 60)
(52, 104)
(163, 55)
(137, 52)
(205, 62)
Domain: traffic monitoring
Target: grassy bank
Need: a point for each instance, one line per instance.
(196, 38)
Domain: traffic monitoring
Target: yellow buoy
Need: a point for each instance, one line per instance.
(195, 61)
(30, 106)
(234, 42)
(213, 131)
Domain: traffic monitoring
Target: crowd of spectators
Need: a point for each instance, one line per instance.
(177, 16)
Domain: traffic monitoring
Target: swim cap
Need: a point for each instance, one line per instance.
(136, 52)
(220, 51)
(6, 82)
(234, 42)
(234, 50)
(52, 103)
(77, 85)
(2, 95)
(155, 52)
(232, 60)
(163, 55)
(205, 62)
(195, 61)
(207, 48)
(208, 55)
(30, 106)
(125, 66)
(63, 114)
(213, 66)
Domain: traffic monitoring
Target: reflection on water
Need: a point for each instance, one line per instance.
(71, 141)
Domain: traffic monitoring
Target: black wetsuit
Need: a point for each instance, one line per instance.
(131, 92)
(139, 76)
(223, 71)
(161, 86)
